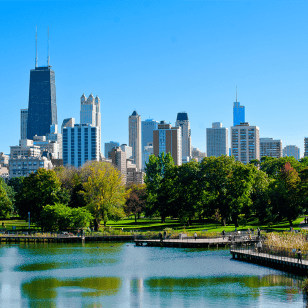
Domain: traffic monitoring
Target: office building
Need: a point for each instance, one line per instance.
(147, 151)
(90, 110)
(245, 142)
(217, 140)
(23, 166)
(26, 148)
(168, 139)
(23, 123)
(69, 122)
(42, 108)
(118, 158)
(110, 146)
(183, 122)
(4, 160)
(81, 143)
(127, 150)
(147, 128)
(291, 150)
(270, 147)
(134, 128)
(238, 113)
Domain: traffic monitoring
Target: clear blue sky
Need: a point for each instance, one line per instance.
(160, 58)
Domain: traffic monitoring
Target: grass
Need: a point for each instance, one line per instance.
(144, 224)
(209, 224)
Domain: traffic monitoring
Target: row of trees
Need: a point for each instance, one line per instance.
(66, 198)
(220, 187)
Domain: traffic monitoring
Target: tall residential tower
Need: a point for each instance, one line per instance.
(134, 129)
(183, 122)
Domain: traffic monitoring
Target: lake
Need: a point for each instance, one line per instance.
(123, 275)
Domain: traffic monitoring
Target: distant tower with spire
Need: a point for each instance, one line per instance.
(42, 106)
(238, 112)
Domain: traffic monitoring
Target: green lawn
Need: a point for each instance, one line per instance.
(209, 225)
(18, 223)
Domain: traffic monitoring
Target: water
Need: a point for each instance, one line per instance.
(123, 275)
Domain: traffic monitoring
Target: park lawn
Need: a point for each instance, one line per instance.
(18, 223)
(208, 225)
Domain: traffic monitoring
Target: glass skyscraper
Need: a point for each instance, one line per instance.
(238, 113)
(42, 110)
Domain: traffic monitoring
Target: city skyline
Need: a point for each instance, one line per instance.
(160, 58)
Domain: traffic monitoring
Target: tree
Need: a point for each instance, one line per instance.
(104, 193)
(38, 190)
(6, 204)
(61, 217)
(285, 194)
(135, 202)
(155, 170)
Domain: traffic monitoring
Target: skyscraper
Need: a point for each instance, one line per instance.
(42, 109)
(110, 146)
(167, 139)
(90, 110)
(23, 123)
(148, 126)
(270, 147)
(292, 150)
(238, 113)
(134, 128)
(183, 122)
(217, 140)
(245, 143)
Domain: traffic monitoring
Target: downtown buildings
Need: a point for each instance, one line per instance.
(217, 140)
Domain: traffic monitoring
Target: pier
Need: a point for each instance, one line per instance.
(190, 242)
(282, 259)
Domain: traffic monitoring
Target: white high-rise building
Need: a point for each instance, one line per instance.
(23, 123)
(291, 150)
(81, 143)
(245, 143)
(270, 147)
(217, 140)
(183, 122)
(134, 128)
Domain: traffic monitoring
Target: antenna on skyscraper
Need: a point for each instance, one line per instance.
(36, 47)
(236, 93)
(48, 58)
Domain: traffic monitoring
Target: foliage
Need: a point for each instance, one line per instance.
(61, 217)
(38, 189)
(135, 202)
(156, 169)
(6, 204)
(104, 193)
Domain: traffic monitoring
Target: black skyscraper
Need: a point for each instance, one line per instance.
(42, 110)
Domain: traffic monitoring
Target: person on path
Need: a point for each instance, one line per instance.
(259, 246)
(299, 256)
(195, 236)
(223, 234)
(259, 231)
(160, 237)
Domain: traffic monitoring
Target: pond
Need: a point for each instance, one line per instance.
(123, 275)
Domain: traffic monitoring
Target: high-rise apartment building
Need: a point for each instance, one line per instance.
(118, 158)
(183, 122)
(147, 151)
(147, 128)
(238, 113)
(305, 146)
(291, 150)
(69, 122)
(217, 140)
(42, 109)
(110, 146)
(127, 150)
(245, 142)
(168, 139)
(81, 143)
(90, 110)
(134, 128)
(23, 123)
(270, 147)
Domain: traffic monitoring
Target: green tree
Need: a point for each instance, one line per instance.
(6, 204)
(155, 170)
(135, 202)
(285, 194)
(104, 193)
(38, 190)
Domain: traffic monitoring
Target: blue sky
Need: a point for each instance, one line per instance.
(160, 58)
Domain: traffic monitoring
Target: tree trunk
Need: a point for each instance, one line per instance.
(223, 222)
(162, 220)
(135, 218)
(138, 215)
(96, 224)
(189, 221)
(290, 222)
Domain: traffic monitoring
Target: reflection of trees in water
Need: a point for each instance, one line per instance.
(48, 288)
(228, 286)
